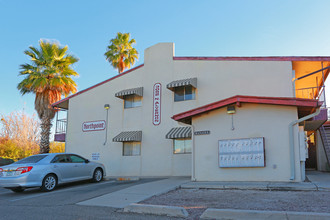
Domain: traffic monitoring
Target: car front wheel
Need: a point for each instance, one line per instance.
(98, 175)
(49, 183)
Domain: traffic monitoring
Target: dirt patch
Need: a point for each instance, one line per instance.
(197, 201)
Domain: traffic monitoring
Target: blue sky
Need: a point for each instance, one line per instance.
(198, 28)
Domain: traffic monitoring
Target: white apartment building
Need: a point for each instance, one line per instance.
(211, 118)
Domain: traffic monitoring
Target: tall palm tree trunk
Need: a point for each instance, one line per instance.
(45, 133)
(121, 65)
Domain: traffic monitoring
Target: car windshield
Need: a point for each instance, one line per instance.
(32, 159)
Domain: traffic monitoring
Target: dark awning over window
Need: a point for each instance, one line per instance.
(128, 136)
(184, 82)
(135, 91)
(179, 132)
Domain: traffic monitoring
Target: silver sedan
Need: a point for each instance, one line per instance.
(48, 170)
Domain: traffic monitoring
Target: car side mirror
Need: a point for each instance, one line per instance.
(86, 161)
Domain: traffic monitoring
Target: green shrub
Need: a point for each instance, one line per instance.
(11, 149)
(16, 151)
(56, 147)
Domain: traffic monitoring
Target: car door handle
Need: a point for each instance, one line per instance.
(55, 166)
(75, 165)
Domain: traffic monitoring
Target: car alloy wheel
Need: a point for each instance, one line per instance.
(98, 175)
(49, 183)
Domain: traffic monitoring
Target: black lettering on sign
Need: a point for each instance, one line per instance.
(202, 132)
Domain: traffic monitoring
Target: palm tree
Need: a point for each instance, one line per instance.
(48, 77)
(120, 52)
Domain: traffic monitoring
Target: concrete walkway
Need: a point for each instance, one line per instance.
(135, 194)
(320, 179)
(127, 198)
(122, 198)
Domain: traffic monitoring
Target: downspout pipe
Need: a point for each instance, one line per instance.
(106, 107)
(291, 139)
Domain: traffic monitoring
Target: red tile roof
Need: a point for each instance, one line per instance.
(247, 99)
(105, 81)
(273, 58)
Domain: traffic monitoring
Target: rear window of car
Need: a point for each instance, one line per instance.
(32, 159)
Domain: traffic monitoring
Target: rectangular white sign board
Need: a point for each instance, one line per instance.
(93, 126)
(95, 156)
(246, 152)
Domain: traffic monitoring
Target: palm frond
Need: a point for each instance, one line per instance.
(49, 75)
(120, 53)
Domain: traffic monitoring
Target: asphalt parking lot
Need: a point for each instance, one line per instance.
(86, 200)
(61, 203)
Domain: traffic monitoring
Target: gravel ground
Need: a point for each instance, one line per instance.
(197, 201)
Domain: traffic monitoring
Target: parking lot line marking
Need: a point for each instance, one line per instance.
(58, 191)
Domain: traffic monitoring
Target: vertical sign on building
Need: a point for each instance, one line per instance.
(156, 112)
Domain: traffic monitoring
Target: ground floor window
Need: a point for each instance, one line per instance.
(131, 148)
(182, 145)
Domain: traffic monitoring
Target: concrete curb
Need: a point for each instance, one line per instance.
(122, 179)
(127, 179)
(235, 214)
(255, 186)
(322, 186)
(292, 186)
(172, 211)
(245, 186)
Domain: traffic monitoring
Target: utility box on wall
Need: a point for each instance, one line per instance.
(246, 152)
(303, 144)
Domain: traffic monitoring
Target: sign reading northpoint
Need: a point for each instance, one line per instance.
(93, 126)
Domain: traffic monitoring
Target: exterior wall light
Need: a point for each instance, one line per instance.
(106, 107)
(231, 110)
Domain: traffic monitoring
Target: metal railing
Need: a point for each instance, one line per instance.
(60, 126)
(317, 93)
(325, 142)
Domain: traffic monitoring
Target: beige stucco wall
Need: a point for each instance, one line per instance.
(222, 79)
(251, 120)
(156, 157)
(216, 80)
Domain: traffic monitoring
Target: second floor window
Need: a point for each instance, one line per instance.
(184, 93)
(132, 101)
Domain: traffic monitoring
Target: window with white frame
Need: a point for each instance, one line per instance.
(182, 145)
(132, 101)
(184, 93)
(132, 148)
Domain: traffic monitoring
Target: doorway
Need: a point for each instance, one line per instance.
(311, 163)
